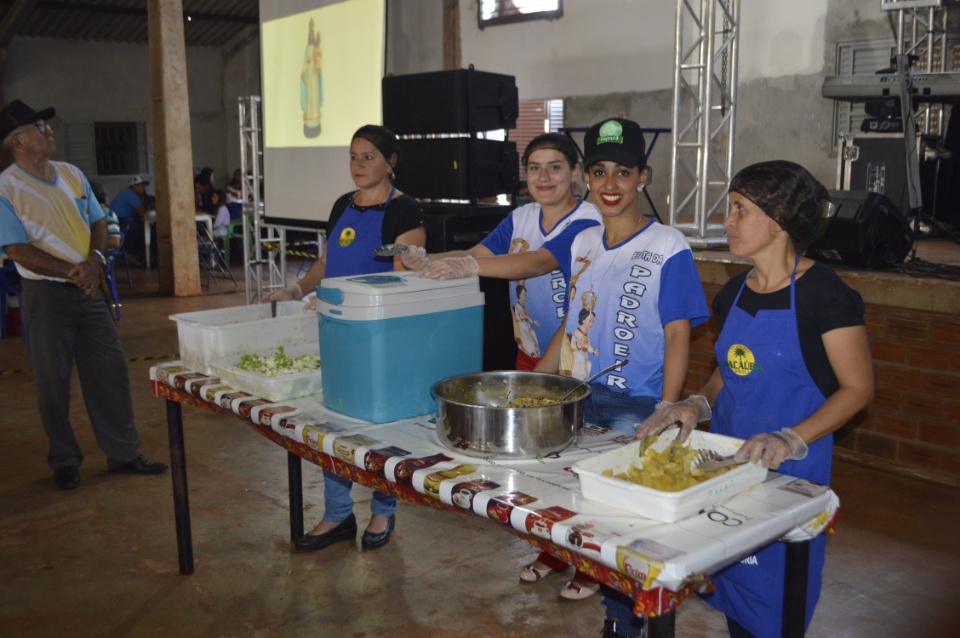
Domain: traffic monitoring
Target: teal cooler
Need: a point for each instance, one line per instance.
(385, 339)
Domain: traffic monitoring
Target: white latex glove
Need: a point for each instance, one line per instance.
(290, 293)
(310, 305)
(685, 414)
(415, 258)
(773, 448)
(452, 268)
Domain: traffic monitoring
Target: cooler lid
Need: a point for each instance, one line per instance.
(388, 288)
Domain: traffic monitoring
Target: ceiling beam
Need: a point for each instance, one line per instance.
(14, 18)
(104, 9)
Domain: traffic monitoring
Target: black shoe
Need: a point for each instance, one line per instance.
(67, 477)
(141, 465)
(610, 629)
(373, 541)
(346, 530)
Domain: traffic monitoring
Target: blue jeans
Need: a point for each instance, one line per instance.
(622, 413)
(615, 410)
(620, 608)
(338, 504)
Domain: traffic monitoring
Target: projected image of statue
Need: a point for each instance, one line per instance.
(311, 84)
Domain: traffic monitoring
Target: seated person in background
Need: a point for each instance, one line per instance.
(130, 206)
(221, 221)
(235, 189)
(113, 224)
(203, 191)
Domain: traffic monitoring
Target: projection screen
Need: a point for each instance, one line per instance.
(322, 63)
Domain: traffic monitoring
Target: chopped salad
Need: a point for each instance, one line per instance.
(279, 364)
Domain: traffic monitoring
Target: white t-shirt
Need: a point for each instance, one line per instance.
(620, 299)
(538, 313)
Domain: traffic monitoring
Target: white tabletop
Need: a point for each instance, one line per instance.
(658, 554)
(150, 217)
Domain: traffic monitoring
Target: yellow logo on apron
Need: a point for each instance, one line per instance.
(347, 237)
(740, 360)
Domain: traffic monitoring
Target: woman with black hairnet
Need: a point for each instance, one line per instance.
(794, 365)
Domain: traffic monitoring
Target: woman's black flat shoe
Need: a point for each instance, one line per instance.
(345, 531)
(374, 541)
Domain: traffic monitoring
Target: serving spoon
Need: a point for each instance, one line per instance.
(590, 380)
(389, 250)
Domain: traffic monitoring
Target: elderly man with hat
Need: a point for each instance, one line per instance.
(52, 227)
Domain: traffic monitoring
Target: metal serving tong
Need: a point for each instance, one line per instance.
(593, 378)
(389, 250)
(709, 460)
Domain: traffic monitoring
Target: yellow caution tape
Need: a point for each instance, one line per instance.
(176, 355)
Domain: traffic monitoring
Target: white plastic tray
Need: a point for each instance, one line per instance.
(213, 334)
(281, 388)
(667, 507)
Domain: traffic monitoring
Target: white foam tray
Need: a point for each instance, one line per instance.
(289, 386)
(667, 507)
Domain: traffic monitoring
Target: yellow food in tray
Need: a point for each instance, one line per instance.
(528, 402)
(667, 471)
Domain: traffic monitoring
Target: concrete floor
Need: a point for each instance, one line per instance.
(102, 560)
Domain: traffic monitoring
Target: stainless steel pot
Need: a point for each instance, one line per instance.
(469, 421)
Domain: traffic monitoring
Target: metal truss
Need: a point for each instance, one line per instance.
(921, 27)
(704, 117)
(261, 243)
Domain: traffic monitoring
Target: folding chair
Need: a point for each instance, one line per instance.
(10, 285)
(211, 257)
(234, 231)
(120, 252)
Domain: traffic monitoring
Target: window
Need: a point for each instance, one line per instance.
(490, 12)
(116, 146)
(536, 117)
(109, 148)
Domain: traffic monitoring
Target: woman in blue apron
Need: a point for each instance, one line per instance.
(375, 214)
(794, 366)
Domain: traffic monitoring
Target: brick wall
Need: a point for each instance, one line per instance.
(913, 423)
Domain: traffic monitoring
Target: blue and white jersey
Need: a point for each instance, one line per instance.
(537, 304)
(621, 297)
(54, 217)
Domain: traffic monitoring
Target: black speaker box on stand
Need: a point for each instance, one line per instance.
(865, 230)
(455, 101)
(457, 168)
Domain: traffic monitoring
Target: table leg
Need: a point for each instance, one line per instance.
(296, 496)
(795, 589)
(147, 233)
(178, 472)
(663, 626)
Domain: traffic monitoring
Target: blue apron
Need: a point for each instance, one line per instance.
(351, 241)
(766, 386)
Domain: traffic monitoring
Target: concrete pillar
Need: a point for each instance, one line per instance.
(177, 254)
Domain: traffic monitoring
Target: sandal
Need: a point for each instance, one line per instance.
(532, 574)
(574, 591)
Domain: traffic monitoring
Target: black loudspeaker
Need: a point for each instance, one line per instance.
(865, 230)
(876, 163)
(459, 227)
(457, 101)
(454, 227)
(461, 168)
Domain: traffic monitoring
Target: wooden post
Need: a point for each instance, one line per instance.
(451, 34)
(177, 255)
